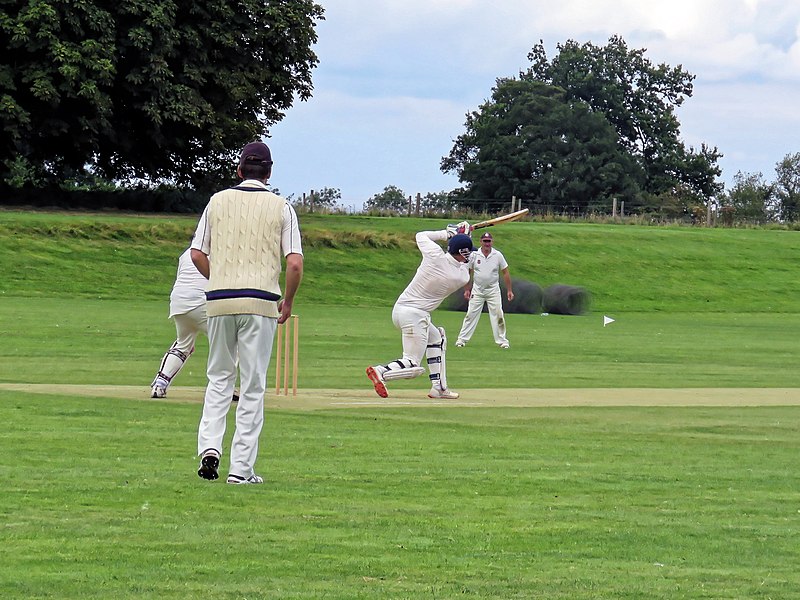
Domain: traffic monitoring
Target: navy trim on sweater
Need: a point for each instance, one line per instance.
(245, 293)
(242, 188)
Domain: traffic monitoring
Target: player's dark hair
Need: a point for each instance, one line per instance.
(258, 171)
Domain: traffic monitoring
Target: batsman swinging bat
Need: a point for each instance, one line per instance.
(502, 219)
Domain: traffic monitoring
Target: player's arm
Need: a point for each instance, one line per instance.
(292, 248)
(200, 260)
(426, 242)
(294, 275)
(507, 279)
(471, 282)
(201, 245)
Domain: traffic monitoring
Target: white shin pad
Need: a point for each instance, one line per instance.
(401, 369)
(436, 362)
(171, 365)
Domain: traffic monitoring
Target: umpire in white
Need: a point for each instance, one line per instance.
(241, 236)
(485, 265)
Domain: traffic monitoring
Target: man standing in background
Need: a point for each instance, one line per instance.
(240, 239)
(485, 266)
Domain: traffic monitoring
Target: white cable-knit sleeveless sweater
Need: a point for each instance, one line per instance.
(245, 226)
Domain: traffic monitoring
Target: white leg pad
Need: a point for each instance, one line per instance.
(403, 373)
(171, 365)
(402, 368)
(436, 362)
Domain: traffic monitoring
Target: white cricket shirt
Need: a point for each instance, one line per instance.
(486, 269)
(189, 290)
(438, 276)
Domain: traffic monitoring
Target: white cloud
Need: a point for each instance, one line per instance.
(397, 77)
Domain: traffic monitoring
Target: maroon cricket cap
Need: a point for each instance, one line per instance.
(256, 153)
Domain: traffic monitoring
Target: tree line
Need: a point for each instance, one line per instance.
(146, 91)
(148, 94)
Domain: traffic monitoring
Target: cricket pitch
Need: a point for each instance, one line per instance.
(326, 399)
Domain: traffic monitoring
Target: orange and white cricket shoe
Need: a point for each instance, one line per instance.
(375, 376)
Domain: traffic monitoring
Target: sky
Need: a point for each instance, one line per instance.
(396, 80)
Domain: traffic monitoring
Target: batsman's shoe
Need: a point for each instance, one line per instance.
(460, 343)
(376, 378)
(504, 345)
(239, 480)
(209, 463)
(158, 392)
(443, 394)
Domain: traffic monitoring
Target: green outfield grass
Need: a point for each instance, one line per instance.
(120, 342)
(101, 498)
(100, 501)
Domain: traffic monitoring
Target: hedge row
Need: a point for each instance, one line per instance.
(159, 200)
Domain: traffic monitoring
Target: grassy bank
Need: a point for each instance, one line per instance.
(366, 261)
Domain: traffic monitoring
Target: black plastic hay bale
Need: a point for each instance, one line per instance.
(562, 299)
(527, 298)
(456, 301)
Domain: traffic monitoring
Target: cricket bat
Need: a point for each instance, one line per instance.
(502, 219)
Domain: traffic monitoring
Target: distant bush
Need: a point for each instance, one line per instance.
(156, 200)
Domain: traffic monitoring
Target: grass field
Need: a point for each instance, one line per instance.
(628, 501)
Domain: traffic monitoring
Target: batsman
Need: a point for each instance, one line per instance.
(439, 274)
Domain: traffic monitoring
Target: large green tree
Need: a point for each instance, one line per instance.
(150, 89)
(639, 99)
(787, 187)
(392, 198)
(530, 141)
(750, 199)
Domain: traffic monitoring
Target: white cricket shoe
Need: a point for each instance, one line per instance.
(460, 343)
(239, 480)
(504, 345)
(444, 394)
(158, 392)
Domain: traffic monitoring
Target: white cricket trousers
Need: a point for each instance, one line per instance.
(251, 336)
(494, 302)
(418, 332)
(187, 328)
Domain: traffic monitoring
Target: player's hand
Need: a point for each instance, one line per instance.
(451, 230)
(285, 310)
(510, 295)
(467, 293)
(464, 227)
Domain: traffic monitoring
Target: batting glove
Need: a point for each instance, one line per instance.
(464, 227)
(451, 230)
